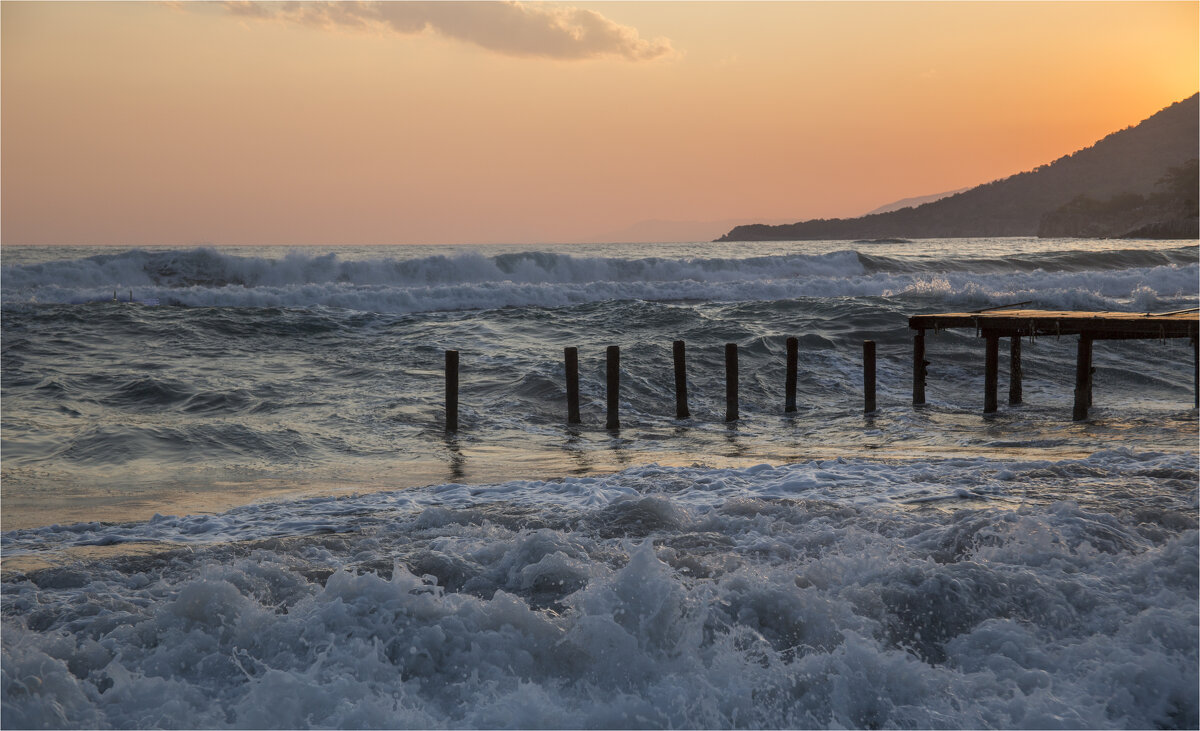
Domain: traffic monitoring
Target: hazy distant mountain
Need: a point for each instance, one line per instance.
(1131, 161)
(913, 202)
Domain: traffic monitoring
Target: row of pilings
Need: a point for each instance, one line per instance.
(679, 356)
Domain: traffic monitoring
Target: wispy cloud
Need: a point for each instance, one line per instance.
(509, 28)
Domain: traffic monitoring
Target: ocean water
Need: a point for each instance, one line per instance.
(228, 499)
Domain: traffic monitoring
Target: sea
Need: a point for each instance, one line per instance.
(229, 500)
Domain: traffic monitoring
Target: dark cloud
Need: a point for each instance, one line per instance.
(510, 28)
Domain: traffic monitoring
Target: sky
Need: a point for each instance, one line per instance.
(425, 123)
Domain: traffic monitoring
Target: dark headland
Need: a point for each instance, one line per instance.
(1140, 182)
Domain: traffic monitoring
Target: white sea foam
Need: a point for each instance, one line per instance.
(794, 596)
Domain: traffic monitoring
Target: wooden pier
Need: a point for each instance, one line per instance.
(1011, 322)
(991, 324)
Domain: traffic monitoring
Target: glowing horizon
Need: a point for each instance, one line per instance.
(242, 123)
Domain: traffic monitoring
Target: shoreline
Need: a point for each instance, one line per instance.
(287, 501)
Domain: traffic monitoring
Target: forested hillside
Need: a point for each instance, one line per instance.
(1131, 161)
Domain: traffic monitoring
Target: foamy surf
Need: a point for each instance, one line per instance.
(813, 595)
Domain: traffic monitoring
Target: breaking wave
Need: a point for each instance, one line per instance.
(205, 277)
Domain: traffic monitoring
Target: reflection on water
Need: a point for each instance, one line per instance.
(457, 460)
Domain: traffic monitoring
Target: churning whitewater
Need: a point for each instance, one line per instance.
(231, 502)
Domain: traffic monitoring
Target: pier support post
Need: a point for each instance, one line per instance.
(451, 390)
(1014, 370)
(613, 377)
(919, 364)
(571, 356)
(868, 376)
(681, 405)
(793, 363)
(1196, 360)
(991, 373)
(1083, 377)
(731, 382)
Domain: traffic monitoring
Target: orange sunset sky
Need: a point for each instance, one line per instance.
(242, 123)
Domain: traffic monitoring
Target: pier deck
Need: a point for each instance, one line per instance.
(1014, 323)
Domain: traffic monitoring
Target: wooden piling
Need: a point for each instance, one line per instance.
(991, 373)
(919, 364)
(613, 375)
(1196, 361)
(451, 390)
(1083, 377)
(571, 356)
(793, 360)
(731, 382)
(1014, 370)
(681, 405)
(868, 376)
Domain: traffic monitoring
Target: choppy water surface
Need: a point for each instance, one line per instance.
(238, 507)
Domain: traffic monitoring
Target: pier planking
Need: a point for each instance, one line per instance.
(1101, 325)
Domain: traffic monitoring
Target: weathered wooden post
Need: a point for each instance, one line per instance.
(614, 386)
(451, 390)
(991, 373)
(793, 362)
(868, 376)
(919, 364)
(681, 405)
(1014, 370)
(731, 382)
(1083, 377)
(571, 356)
(1196, 360)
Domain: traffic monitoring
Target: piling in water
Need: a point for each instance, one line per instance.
(1083, 377)
(571, 356)
(919, 368)
(1196, 361)
(793, 360)
(868, 376)
(613, 378)
(1014, 371)
(731, 382)
(991, 373)
(681, 405)
(451, 390)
